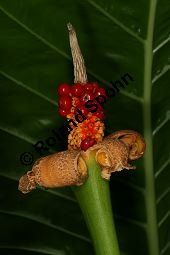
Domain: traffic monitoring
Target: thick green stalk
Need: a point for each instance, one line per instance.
(94, 200)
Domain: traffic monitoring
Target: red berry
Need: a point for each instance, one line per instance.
(99, 114)
(77, 90)
(65, 102)
(64, 89)
(63, 112)
(101, 92)
(87, 143)
(95, 86)
(88, 87)
(83, 109)
(87, 96)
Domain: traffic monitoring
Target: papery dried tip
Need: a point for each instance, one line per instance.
(80, 75)
(69, 26)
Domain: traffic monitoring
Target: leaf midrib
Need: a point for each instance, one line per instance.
(150, 198)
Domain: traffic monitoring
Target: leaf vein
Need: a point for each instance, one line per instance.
(55, 193)
(38, 250)
(43, 40)
(167, 118)
(163, 195)
(161, 74)
(116, 21)
(165, 217)
(161, 45)
(165, 248)
(43, 222)
(21, 84)
(131, 221)
(162, 168)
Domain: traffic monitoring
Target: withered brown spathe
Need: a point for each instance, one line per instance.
(114, 152)
(64, 168)
(68, 168)
(133, 139)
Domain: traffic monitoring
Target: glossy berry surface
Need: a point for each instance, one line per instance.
(65, 102)
(88, 87)
(86, 96)
(63, 112)
(77, 90)
(101, 92)
(64, 89)
(75, 96)
(95, 86)
(87, 143)
(99, 114)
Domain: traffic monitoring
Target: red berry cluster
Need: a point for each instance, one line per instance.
(74, 97)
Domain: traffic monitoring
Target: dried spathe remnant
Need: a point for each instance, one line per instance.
(113, 156)
(133, 140)
(68, 168)
(65, 168)
(117, 149)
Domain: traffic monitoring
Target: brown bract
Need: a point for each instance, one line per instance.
(133, 140)
(69, 168)
(65, 168)
(114, 152)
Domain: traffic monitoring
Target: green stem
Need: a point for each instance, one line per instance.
(94, 200)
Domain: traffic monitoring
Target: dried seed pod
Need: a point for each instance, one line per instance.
(112, 155)
(57, 170)
(133, 140)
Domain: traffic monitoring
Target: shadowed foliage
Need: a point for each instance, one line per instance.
(116, 37)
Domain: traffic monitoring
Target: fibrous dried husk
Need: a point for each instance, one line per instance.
(112, 155)
(61, 169)
(133, 140)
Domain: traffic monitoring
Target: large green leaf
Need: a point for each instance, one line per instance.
(116, 37)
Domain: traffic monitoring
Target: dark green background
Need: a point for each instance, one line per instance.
(115, 37)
